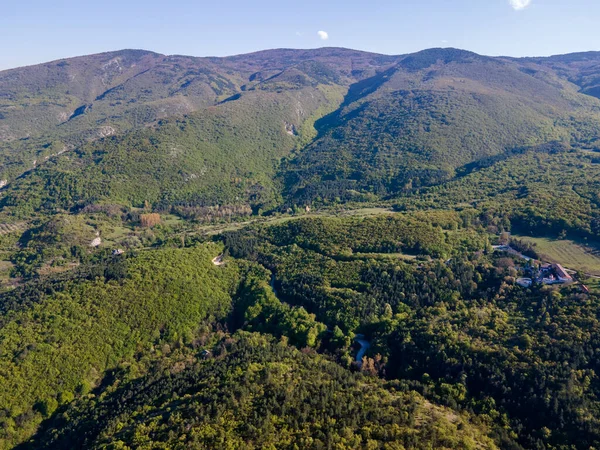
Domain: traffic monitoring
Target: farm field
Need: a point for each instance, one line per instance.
(571, 254)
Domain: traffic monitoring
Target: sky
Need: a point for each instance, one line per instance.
(35, 31)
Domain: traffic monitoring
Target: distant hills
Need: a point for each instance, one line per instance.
(189, 248)
(278, 127)
(261, 104)
(433, 112)
(132, 88)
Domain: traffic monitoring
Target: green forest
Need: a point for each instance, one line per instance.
(325, 249)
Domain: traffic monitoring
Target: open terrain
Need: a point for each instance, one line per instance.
(584, 257)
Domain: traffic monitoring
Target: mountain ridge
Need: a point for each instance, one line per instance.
(569, 56)
(436, 110)
(177, 230)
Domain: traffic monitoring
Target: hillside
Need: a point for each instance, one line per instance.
(276, 396)
(432, 113)
(451, 321)
(545, 190)
(227, 154)
(52, 108)
(579, 68)
(132, 126)
(59, 336)
(294, 249)
(244, 114)
(148, 329)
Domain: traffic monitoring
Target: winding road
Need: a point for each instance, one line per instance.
(364, 346)
(360, 338)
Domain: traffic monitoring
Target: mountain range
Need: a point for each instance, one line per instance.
(292, 249)
(309, 125)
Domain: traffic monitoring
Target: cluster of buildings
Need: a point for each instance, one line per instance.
(545, 274)
(537, 272)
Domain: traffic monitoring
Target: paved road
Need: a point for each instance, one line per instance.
(364, 346)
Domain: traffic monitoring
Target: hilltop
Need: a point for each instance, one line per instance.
(309, 125)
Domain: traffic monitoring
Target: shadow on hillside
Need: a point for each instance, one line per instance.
(356, 91)
(483, 163)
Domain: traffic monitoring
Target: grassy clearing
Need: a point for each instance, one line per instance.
(6, 228)
(171, 220)
(48, 269)
(5, 268)
(571, 254)
(116, 234)
(364, 212)
(213, 229)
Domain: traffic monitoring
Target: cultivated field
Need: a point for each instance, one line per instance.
(571, 254)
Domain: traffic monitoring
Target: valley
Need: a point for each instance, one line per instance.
(300, 249)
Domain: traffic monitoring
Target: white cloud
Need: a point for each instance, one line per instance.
(298, 33)
(324, 35)
(519, 4)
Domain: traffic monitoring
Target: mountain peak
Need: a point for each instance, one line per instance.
(429, 57)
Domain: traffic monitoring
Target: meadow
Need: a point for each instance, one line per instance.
(571, 254)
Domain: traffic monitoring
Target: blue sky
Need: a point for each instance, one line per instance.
(35, 31)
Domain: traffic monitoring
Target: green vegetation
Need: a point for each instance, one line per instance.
(223, 156)
(412, 127)
(576, 256)
(449, 328)
(254, 392)
(112, 126)
(192, 251)
(258, 308)
(594, 285)
(461, 331)
(315, 265)
(550, 191)
(58, 337)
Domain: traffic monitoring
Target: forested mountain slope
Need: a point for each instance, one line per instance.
(131, 88)
(386, 125)
(55, 107)
(433, 112)
(444, 313)
(545, 190)
(257, 393)
(580, 68)
(294, 247)
(227, 154)
(95, 356)
(58, 337)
